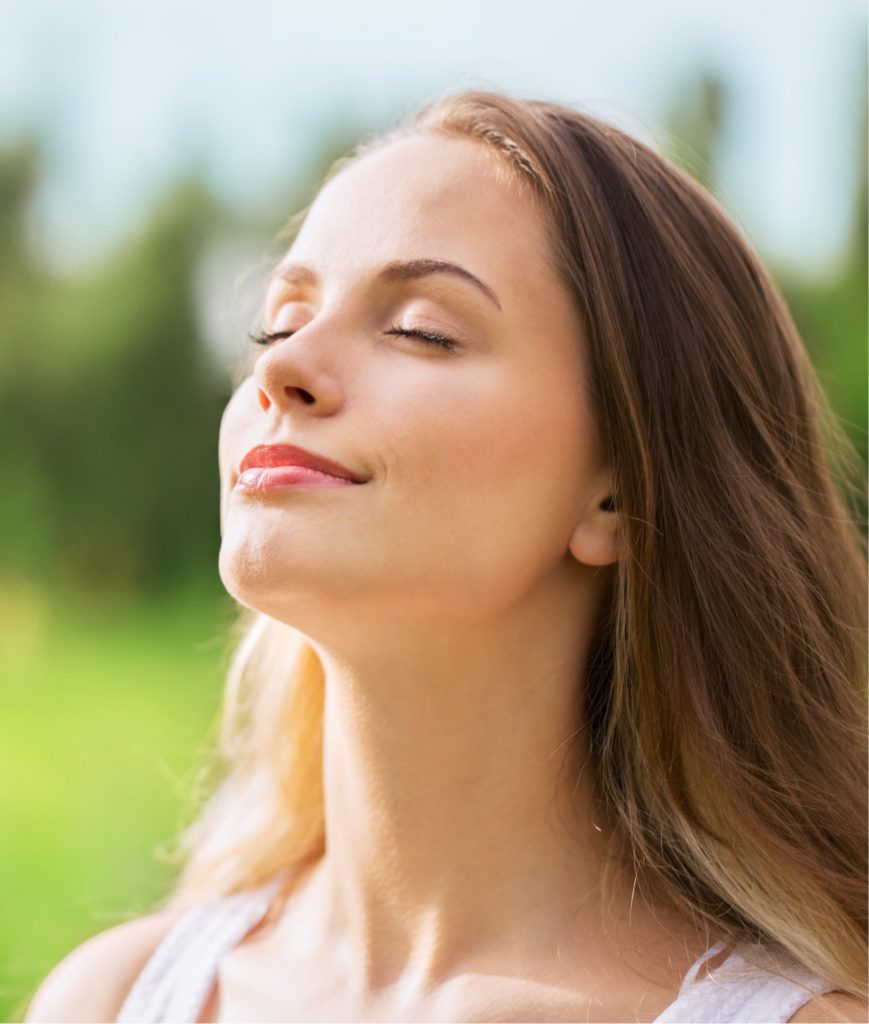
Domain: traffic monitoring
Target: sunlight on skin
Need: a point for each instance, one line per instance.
(450, 596)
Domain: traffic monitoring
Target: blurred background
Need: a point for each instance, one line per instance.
(149, 155)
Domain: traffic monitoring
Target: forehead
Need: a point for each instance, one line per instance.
(430, 196)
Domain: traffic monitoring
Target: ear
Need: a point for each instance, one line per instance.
(594, 541)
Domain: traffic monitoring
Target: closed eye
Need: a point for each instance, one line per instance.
(430, 337)
(267, 337)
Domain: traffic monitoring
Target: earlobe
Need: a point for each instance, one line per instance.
(595, 539)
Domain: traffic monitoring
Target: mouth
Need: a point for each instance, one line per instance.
(284, 465)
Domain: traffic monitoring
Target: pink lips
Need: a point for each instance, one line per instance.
(285, 465)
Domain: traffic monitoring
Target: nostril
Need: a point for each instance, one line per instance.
(306, 396)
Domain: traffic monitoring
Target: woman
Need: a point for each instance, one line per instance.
(548, 703)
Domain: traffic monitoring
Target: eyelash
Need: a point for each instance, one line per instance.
(430, 337)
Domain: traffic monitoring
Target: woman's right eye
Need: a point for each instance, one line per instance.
(267, 337)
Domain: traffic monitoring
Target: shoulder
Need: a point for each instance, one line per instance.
(92, 981)
(832, 1009)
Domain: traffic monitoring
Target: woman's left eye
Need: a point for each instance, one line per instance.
(431, 337)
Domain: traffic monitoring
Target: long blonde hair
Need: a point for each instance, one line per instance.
(725, 698)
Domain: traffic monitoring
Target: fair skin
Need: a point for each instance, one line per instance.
(450, 597)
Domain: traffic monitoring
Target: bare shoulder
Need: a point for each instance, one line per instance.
(839, 1008)
(91, 982)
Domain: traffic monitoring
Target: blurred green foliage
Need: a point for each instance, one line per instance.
(108, 407)
(111, 615)
(106, 710)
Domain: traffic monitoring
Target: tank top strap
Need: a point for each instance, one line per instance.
(756, 990)
(178, 977)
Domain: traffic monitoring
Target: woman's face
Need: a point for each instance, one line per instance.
(478, 462)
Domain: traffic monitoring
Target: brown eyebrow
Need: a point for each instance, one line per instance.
(398, 270)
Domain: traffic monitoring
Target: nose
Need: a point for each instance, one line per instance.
(291, 375)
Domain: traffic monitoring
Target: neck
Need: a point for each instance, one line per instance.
(458, 819)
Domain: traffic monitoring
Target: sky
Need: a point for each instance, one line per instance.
(127, 95)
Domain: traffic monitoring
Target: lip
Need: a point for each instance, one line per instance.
(297, 461)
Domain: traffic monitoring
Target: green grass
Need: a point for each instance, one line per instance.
(106, 709)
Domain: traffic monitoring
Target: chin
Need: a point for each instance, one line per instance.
(261, 575)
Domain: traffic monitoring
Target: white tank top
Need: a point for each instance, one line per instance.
(178, 978)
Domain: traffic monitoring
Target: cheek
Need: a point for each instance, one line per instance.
(232, 426)
(233, 423)
(496, 463)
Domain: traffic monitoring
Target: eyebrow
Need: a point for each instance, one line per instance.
(398, 270)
